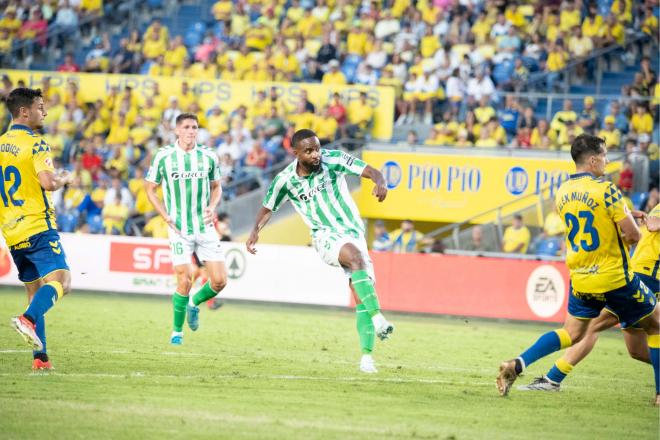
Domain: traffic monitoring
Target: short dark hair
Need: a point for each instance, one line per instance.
(21, 97)
(183, 116)
(300, 136)
(586, 145)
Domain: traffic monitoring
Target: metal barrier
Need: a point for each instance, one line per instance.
(458, 236)
(539, 80)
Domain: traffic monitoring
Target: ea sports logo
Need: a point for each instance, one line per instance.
(545, 291)
(516, 181)
(392, 173)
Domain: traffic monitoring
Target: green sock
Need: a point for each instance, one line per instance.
(365, 329)
(364, 288)
(179, 302)
(204, 294)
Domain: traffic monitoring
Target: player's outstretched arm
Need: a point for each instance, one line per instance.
(151, 188)
(51, 181)
(263, 216)
(380, 190)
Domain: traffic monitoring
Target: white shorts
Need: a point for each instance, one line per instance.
(207, 246)
(328, 245)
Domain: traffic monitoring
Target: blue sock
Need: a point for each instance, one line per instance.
(559, 370)
(654, 350)
(43, 300)
(546, 344)
(40, 329)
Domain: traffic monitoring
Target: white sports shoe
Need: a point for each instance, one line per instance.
(382, 327)
(367, 364)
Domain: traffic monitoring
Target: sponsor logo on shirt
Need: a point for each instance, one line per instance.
(175, 175)
(313, 191)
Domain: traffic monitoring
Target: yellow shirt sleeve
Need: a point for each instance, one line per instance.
(614, 203)
(41, 157)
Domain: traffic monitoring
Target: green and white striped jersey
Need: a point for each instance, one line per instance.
(322, 199)
(186, 180)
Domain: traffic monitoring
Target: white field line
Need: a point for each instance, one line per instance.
(389, 366)
(283, 377)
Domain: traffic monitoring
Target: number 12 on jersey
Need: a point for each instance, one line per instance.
(10, 173)
(573, 224)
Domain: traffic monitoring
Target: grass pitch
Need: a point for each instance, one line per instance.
(274, 372)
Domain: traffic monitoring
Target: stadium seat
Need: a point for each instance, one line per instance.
(95, 224)
(638, 199)
(549, 247)
(502, 72)
(67, 222)
(192, 39)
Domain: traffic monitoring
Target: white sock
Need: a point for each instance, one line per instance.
(379, 320)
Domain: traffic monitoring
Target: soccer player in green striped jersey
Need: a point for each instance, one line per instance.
(190, 178)
(315, 184)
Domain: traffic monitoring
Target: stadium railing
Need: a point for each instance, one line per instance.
(538, 80)
(458, 235)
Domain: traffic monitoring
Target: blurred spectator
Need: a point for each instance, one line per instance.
(68, 65)
(360, 117)
(477, 242)
(406, 239)
(516, 237)
(381, 241)
(626, 177)
(610, 134)
(115, 214)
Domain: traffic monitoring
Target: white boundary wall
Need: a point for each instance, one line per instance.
(289, 274)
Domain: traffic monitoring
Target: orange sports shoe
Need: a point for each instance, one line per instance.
(38, 364)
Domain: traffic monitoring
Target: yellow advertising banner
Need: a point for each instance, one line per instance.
(452, 188)
(227, 94)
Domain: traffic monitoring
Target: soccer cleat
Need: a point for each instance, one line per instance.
(176, 338)
(541, 384)
(367, 364)
(26, 329)
(38, 364)
(506, 377)
(382, 327)
(192, 316)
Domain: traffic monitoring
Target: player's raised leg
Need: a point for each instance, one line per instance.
(209, 251)
(184, 274)
(351, 258)
(217, 274)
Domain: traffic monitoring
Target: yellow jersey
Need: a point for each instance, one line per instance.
(645, 258)
(25, 209)
(596, 256)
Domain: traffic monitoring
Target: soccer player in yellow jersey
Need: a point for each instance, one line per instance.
(598, 226)
(645, 263)
(27, 217)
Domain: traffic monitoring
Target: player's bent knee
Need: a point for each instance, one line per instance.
(219, 284)
(183, 286)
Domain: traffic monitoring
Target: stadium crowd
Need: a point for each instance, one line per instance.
(452, 65)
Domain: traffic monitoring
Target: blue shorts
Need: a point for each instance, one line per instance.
(629, 303)
(652, 283)
(38, 256)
